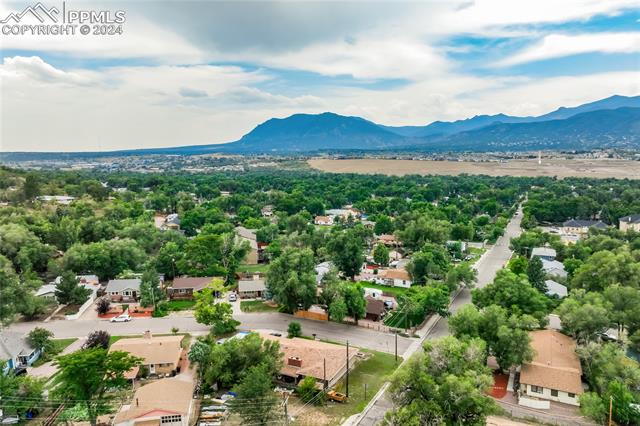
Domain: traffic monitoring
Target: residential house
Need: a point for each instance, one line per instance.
(126, 290)
(321, 270)
(325, 362)
(554, 373)
(253, 257)
(630, 223)
(47, 291)
(544, 253)
(252, 288)
(375, 309)
(554, 268)
(16, 351)
(58, 199)
(581, 227)
(267, 211)
(160, 354)
(323, 220)
(388, 240)
(166, 402)
(170, 221)
(556, 289)
(183, 288)
(397, 278)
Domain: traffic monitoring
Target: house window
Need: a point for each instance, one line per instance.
(126, 293)
(176, 418)
(182, 291)
(536, 389)
(571, 395)
(554, 392)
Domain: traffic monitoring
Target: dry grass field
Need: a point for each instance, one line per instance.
(601, 168)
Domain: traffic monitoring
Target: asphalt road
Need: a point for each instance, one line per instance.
(357, 336)
(487, 266)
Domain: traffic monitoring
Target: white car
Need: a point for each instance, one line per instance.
(232, 297)
(121, 318)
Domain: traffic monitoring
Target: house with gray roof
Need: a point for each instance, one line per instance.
(630, 223)
(16, 351)
(555, 289)
(546, 253)
(554, 268)
(127, 290)
(252, 288)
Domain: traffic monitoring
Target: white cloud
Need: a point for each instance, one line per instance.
(559, 45)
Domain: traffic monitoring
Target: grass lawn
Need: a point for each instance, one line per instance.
(262, 267)
(373, 372)
(180, 305)
(257, 306)
(58, 345)
(394, 291)
(185, 341)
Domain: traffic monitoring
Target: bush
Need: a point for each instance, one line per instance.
(308, 392)
(294, 330)
(97, 339)
(103, 305)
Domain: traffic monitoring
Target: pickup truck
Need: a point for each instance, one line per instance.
(336, 396)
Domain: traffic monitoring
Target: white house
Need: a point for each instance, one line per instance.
(556, 289)
(397, 278)
(323, 220)
(544, 253)
(554, 268)
(124, 290)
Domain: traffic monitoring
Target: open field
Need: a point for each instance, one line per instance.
(601, 168)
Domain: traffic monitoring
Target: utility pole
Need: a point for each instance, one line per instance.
(610, 409)
(285, 397)
(324, 374)
(365, 391)
(396, 334)
(347, 369)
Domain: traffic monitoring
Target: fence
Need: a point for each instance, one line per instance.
(84, 307)
(317, 316)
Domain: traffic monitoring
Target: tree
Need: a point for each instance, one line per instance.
(217, 315)
(308, 391)
(514, 293)
(431, 262)
(233, 252)
(606, 268)
(86, 375)
(536, 275)
(383, 225)
(31, 186)
(20, 394)
(381, 254)
(625, 305)
(11, 295)
(518, 265)
(199, 354)
(97, 339)
(167, 258)
(150, 291)
(40, 338)
(257, 385)
(583, 314)
(291, 279)
(202, 256)
(461, 274)
(424, 230)
(338, 309)
(445, 385)
(228, 363)
(103, 305)
(69, 291)
(104, 258)
(355, 302)
(346, 249)
(32, 306)
(294, 329)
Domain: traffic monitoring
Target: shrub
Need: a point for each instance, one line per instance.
(294, 330)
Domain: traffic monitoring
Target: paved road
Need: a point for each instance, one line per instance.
(357, 336)
(487, 266)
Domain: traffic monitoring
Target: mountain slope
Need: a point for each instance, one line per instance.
(612, 102)
(311, 132)
(596, 129)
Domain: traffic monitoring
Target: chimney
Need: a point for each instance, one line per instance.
(294, 361)
(147, 335)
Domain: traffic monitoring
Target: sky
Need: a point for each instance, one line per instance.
(204, 72)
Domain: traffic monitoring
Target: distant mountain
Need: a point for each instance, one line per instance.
(607, 128)
(313, 132)
(479, 121)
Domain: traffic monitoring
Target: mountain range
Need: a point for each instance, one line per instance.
(607, 123)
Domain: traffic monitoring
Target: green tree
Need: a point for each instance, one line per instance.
(432, 262)
(625, 305)
(218, 315)
(606, 268)
(424, 230)
(202, 256)
(338, 309)
(461, 274)
(40, 338)
(257, 386)
(355, 302)
(383, 225)
(308, 391)
(150, 291)
(291, 279)
(20, 394)
(12, 295)
(584, 314)
(233, 252)
(31, 186)
(347, 253)
(167, 258)
(107, 371)
(294, 329)
(446, 385)
(69, 291)
(536, 275)
(518, 265)
(381, 255)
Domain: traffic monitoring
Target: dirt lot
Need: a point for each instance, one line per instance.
(561, 168)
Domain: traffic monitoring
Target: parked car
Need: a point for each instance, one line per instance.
(232, 297)
(121, 318)
(336, 396)
(10, 420)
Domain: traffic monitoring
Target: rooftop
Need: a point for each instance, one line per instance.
(555, 364)
(251, 285)
(635, 218)
(119, 285)
(152, 349)
(196, 283)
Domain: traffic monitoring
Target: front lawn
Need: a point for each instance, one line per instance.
(57, 346)
(180, 305)
(185, 341)
(250, 269)
(257, 306)
(393, 291)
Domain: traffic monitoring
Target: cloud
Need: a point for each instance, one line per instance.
(559, 45)
(192, 93)
(37, 70)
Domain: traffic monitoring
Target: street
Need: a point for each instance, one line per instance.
(487, 266)
(357, 336)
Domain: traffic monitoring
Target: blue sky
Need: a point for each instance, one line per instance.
(202, 72)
